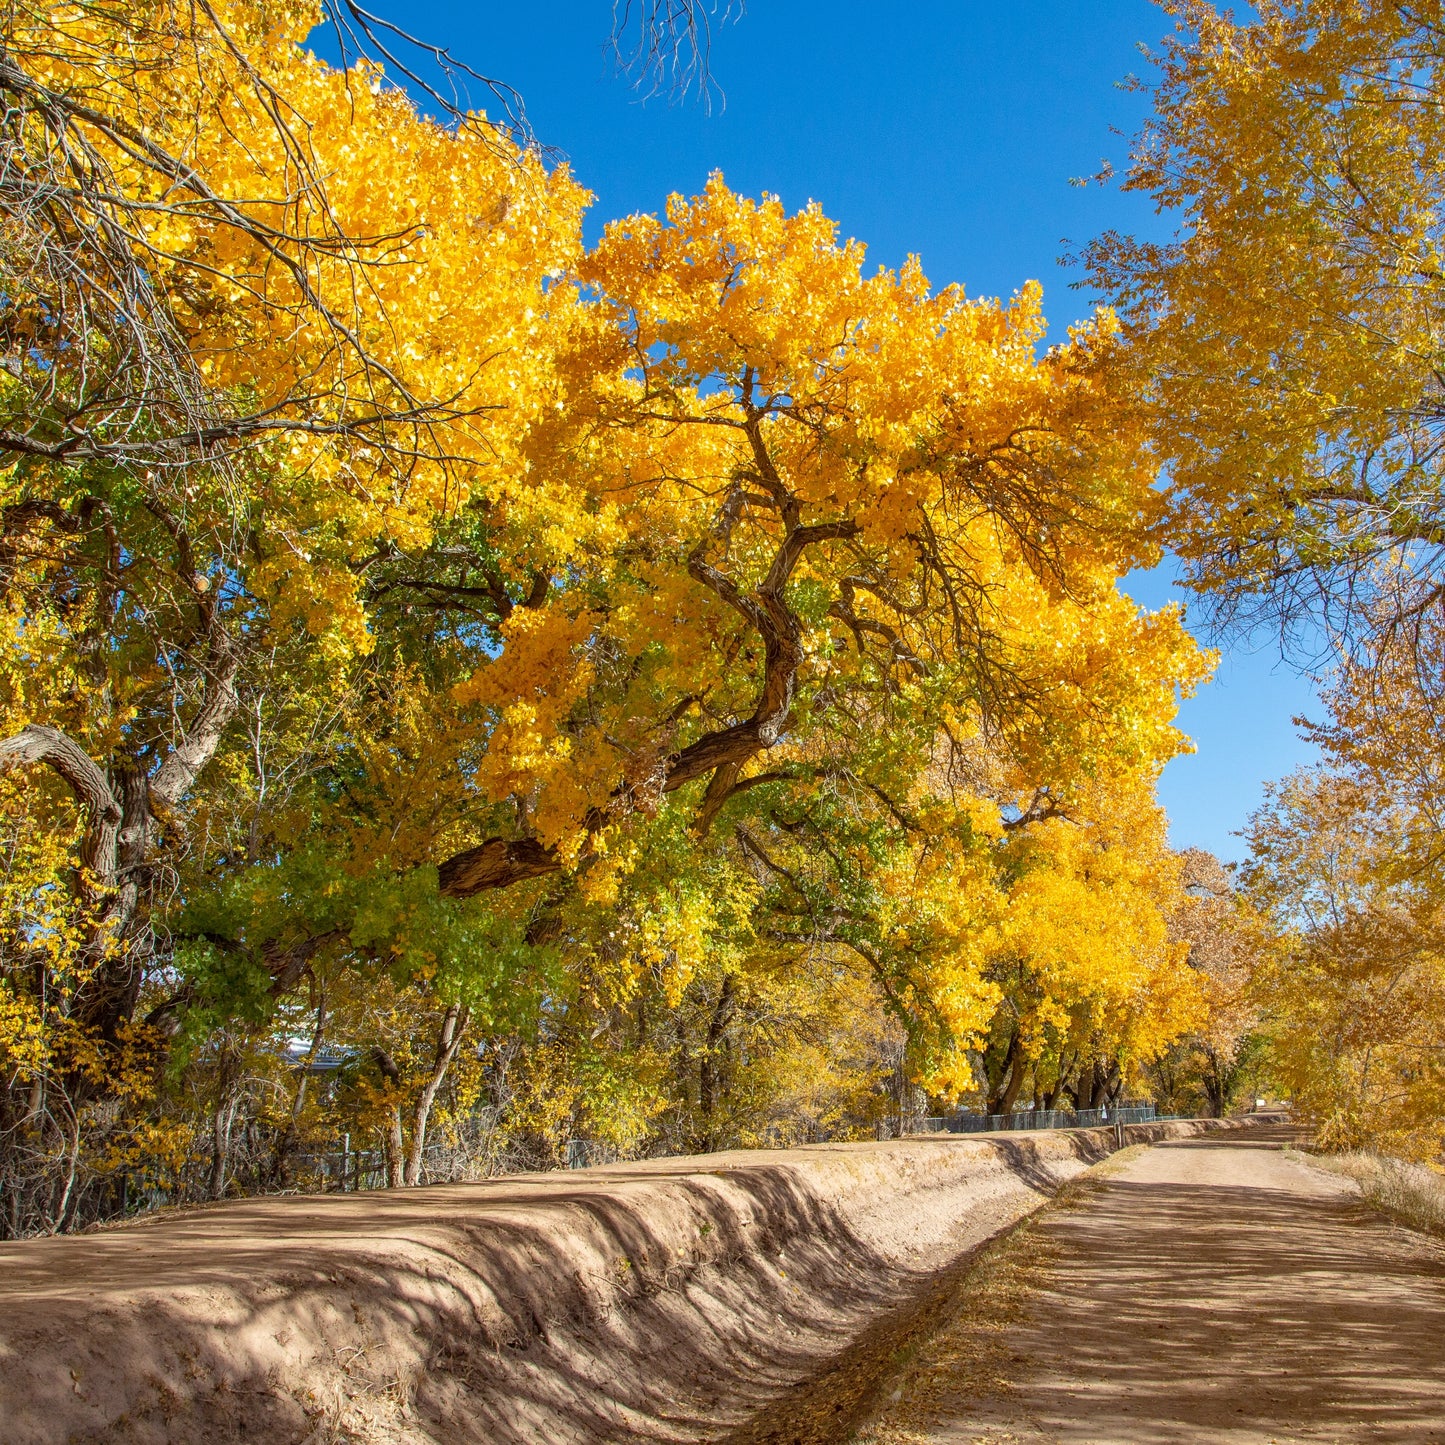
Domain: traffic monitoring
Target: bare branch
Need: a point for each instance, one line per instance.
(666, 45)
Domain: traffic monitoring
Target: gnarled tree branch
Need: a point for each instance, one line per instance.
(39, 743)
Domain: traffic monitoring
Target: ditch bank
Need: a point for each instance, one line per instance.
(674, 1300)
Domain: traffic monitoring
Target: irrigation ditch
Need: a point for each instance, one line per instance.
(719, 1297)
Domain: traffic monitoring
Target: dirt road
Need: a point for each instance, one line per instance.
(1211, 1290)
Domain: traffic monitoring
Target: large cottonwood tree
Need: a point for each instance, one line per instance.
(471, 650)
(1287, 342)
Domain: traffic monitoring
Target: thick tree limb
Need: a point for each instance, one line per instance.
(497, 863)
(1043, 806)
(173, 779)
(288, 963)
(113, 849)
(39, 743)
(769, 614)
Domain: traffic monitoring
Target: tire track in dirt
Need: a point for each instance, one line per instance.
(1212, 1289)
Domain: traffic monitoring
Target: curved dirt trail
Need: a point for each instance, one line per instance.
(1210, 1290)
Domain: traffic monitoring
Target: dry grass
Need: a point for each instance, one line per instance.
(971, 1355)
(1411, 1194)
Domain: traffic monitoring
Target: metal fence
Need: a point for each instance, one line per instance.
(587, 1153)
(350, 1169)
(1029, 1119)
(346, 1170)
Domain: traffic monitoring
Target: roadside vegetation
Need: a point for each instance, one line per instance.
(1412, 1193)
(1288, 349)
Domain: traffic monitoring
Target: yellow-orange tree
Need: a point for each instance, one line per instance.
(1287, 348)
(1347, 863)
(239, 379)
(859, 534)
(1093, 986)
(536, 642)
(1206, 1070)
(821, 608)
(1288, 340)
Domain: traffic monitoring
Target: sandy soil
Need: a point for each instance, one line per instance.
(673, 1300)
(1211, 1290)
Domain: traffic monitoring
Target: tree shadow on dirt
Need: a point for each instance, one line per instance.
(1181, 1312)
(691, 1340)
(672, 1301)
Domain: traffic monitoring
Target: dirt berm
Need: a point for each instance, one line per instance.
(669, 1300)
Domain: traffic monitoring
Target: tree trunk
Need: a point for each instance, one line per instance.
(62, 1216)
(1216, 1086)
(393, 1148)
(1058, 1087)
(221, 1122)
(1015, 1082)
(286, 1144)
(1097, 1083)
(1010, 1079)
(449, 1040)
(392, 1144)
(709, 1079)
(222, 1118)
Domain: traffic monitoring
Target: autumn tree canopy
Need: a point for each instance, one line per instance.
(1287, 341)
(1285, 348)
(462, 691)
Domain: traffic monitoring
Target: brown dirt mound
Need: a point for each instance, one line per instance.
(671, 1300)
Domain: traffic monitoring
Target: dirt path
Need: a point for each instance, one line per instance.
(1210, 1290)
(758, 1298)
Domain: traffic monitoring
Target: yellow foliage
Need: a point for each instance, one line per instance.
(680, 691)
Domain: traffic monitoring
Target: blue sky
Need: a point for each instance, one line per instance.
(950, 129)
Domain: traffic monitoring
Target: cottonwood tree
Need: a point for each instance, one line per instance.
(231, 380)
(1347, 863)
(861, 529)
(831, 484)
(1227, 943)
(782, 575)
(537, 642)
(1286, 348)
(1354, 994)
(1287, 342)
